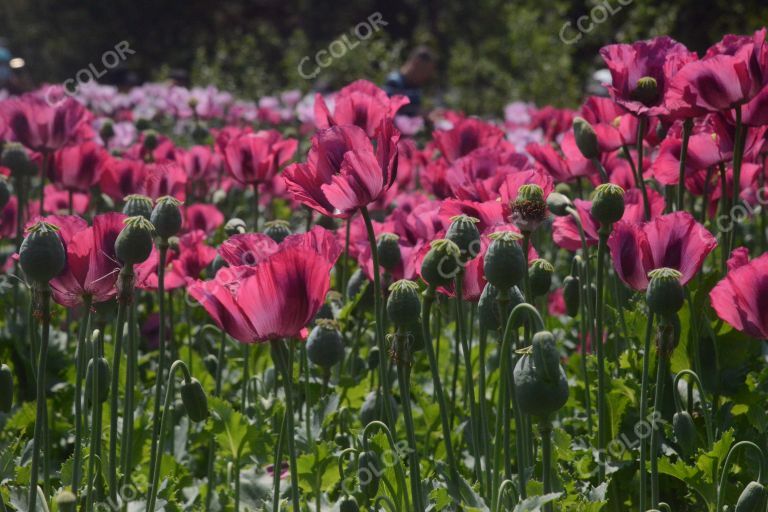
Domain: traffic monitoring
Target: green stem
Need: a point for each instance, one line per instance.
(42, 406)
(403, 374)
(641, 125)
(345, 261)
(278, 466)
(643, 411)
(661, 377)
(124, 299)
(284, 362)
(738, 156)
(727, 466)
(162, 247)
(602, 434)
(95, 422)
(687, 127)
(246, 378)
(79, 371)
(126, 449)
(545, 429)
(212, 442)
(256, 207)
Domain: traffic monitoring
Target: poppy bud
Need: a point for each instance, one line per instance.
(441, 264)
(586, 138)
(137, 204)
(6, 388)
(194, 400)
(608, 203)
(134, 243)
(150, 140)
(504, 262)
(571, 295)
(488, 308)
(348, 504)
(234, 226)
(42, 256)
(5, 192)
(529, 209)
(540, 276)
(685, 433)
(558, 204)
(374, 357)
(541, 386)
(752, 498)
(107, 131)
(16, 158)
(403, 304)
(65, 501)
(102, 366)
(211, 363)
(277, 230)
(665, 294)
(646, 91)
(166, 217)
(325, 346)
(359, 284)
(463, 232)
(388, 250)
(368, 471)
(371, 408)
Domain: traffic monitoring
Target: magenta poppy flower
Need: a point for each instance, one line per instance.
(255, 158)
(203, 217)
(92, 267)
(165, 179)
(122, 178)
(343, 173)
(58, 201)
(740, 297)
(659, 59)
(250, 249)
(193, 257)
(78, 166)
(479, 175)
(202, 164)
(360, 103)
(673, 241)
(147, 277)
(467, 135)
(434, 178)
(552, 121)
(42, 125)
(567, 164)
(614, 125)
(489, 213)
(276, 299)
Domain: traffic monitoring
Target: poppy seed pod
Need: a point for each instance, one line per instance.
(42, 255)
(16, 158)
(586, 138)
(166, 217)
(66, 501)
(540, 276)
(325, 347)
(571, 295)
(441, 264)
(504, 261)
(277, 230)
(134, 243)
(137, 204)
(529, 209)
(752, 498)
(6, 388)
(388, 250)
(194, 400)
(234, 226)
(541, 387)
(5, 192)
(665, 294)
(107, 131)
(348, 504)
(558, 204)
(685, 432)
(463, 232)
(403, 304)
(646, 91)
(608, 203)
(150, 140)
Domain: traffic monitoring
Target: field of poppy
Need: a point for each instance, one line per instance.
(318, 303)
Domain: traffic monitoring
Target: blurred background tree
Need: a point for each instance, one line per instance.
(489, 51)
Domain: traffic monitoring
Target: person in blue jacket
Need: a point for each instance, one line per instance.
(412, 76)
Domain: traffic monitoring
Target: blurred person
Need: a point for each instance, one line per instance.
(409, 80)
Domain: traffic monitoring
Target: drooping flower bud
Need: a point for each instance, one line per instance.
(5, 192)
(441, 264)
(211, 363)
(325, 347)
(372, 406)
(608, 203)
(558, 204)
(388, 250)
(586, 138)
(100, 365)
(686, 435)
(277, 230)
(42, 256)
(540, 276)
(665, 294)
(166, 217)
(752, 498)
(368, 473)
(194, 399)
(137, 204)
(541, 387)
(65, 501)
(529, 210)
(646, 91)
(403, 304)
(134, 243)
(488, 308)
(348, 504)
(6, 389)
(463, 232)
(504, 261)
(571, 295)
(234, 226)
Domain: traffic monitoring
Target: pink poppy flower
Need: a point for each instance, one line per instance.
(122, 178)
(78, 167)
(614, 125)
(255, 158)
(43, 125)
(360, 103)
(203, 217)
(58, 201)
(552, 121)
(465, 136)
(740, 297)
(201, 164)
(165, 179)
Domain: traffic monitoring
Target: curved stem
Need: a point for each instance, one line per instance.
(705, 406)
(79, 372)
(42, 406)
(727, 466)
(644, 411)
(399, 471)
(499, 496)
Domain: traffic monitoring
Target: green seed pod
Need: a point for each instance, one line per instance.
(463, 232)
(529, 210)
(646, 91)
(105, 375)
(586, 138)
(665, 294)
(403, 304)
(134, 243)
(608, 203)
(564, 189)
(150, 140)
(66, 501)
(166, 217)
(571, 296)
(488, 308)
(5, 191)
(16, 158)
(142, 124)
(541, 387)
(6, 388)
(234, 226)
(752, 498)
(374, 358)
(325, 347)
(211, 363)
(540, 276)
(348, 504)
(504, 262)
(441, 264)
(277, 230)
(686, 435)
(107, 131)
(371, 408)
(194, 400)
(137, 204)
(368, 473)
(42, 256)
(558, 204)
(388, 250)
